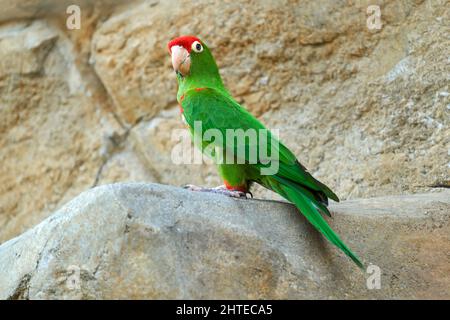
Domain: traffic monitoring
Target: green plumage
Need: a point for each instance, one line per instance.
(204, 98)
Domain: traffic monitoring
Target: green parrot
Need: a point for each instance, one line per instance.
(207, 106)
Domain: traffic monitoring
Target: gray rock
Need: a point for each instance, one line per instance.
(154, 241)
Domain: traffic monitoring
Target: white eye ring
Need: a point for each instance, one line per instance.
(197, 46)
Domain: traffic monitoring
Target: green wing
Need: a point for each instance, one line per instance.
(218, 111)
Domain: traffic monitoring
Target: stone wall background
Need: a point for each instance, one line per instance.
(366, 111)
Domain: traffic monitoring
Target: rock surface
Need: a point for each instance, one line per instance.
(153, 241)
(367, 111)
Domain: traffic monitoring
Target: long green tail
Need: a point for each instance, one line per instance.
(311, 209)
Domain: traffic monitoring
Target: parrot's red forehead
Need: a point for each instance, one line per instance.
(184, 41)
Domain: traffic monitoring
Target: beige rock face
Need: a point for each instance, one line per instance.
(367, 111)
(47, 151)
(55, 132)
(151, 241)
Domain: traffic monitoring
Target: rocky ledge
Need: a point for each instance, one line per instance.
(149, 241)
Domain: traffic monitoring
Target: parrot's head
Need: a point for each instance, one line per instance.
(191, 59)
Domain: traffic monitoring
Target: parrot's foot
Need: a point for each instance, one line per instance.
(219, 190)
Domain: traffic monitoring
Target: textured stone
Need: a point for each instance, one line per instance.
(152, 241)
(54, 125)
(35, 9)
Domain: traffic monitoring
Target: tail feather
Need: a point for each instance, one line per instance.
(310, 208)
(319, 200)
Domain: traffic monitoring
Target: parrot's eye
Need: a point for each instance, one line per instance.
(197, 46)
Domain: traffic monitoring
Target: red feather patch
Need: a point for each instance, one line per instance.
(235, 188)
(184, 41)
(181, 107)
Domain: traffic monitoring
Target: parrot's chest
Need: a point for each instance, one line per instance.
(183, 118)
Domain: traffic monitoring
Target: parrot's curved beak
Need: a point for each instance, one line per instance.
(181, 60)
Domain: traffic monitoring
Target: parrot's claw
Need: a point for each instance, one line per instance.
(219, 190)
(231, 193)
(192, 187)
